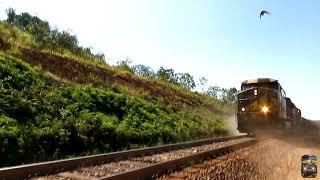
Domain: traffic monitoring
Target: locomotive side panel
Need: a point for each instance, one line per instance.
(282, 104)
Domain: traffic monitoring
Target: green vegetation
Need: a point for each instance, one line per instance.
(42, 119)
(47, 38)
(25, 30)
(184, 80)
(11, 37)
(58, 99)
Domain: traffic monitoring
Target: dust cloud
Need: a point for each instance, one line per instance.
(231, 124)
(279, 158)
(277, 155)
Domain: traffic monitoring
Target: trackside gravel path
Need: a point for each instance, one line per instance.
(274, 158)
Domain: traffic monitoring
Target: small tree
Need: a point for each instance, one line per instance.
(11, 13)
(125, 65)
(100, 56)
(67, 41)
(47, 38)
(167, 75)
(213, 91)
(203, 82)
(228, 95)
(186, 80)
(143, 71)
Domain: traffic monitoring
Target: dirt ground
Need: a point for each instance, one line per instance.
(271, 158)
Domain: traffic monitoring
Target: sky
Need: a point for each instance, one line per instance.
(224, 41)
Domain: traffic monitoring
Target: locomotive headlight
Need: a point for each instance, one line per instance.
(313, 168)
(265, 109)
(255, 92)
(243, 109)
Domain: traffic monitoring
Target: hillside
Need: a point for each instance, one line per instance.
(65, 101)
(81, 72)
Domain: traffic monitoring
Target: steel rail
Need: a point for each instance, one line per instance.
(51, 167)
(161, 168)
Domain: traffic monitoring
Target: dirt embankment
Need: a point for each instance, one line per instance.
(75, 71)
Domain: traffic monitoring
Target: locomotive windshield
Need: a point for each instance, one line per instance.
(309, 157)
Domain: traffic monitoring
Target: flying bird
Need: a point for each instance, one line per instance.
(262, 13)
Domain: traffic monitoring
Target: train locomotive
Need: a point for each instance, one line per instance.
(262, 104)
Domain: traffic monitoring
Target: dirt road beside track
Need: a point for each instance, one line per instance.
(271, 158)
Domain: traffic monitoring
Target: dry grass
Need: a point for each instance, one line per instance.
(80, 71)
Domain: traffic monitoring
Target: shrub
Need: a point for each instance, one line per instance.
(41, 119)
(9, 141)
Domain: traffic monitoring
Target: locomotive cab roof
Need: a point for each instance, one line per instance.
(263, 82)
(250, 84)
(260, 80)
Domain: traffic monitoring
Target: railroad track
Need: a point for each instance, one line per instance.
(131, 164)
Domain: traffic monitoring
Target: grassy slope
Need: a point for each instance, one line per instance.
(81, 71)
(73, 68)
(45, 119)
(57, 105)
(84, 72)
